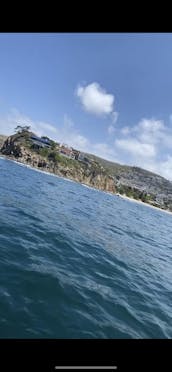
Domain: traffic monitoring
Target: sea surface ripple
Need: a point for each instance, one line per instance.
(79, 263)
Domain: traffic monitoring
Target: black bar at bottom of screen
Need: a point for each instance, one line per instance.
(86, 368)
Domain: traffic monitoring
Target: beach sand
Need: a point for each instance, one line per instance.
(146, 204)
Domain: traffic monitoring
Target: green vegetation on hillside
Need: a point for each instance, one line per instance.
(133, 182)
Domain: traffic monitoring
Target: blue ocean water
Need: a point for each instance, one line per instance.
(79, 263)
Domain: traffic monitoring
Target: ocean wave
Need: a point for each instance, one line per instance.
(77, 264)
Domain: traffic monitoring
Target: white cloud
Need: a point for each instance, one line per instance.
(95, 100)
(161, 167)
(136, 148)
(147, 130)
(104, 151)
(151, 125)
(154, 132)
(150, 130)
(74, 139)
(148, 145)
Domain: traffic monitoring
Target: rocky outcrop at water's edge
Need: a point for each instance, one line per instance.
(45, 154)
(17, 148)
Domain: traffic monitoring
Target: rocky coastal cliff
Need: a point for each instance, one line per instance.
(133, 182)
(19, 148)
(2, 139)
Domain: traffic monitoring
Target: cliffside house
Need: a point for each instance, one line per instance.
(40, 142)
(83, 158)
(76, 153)
(66, 151)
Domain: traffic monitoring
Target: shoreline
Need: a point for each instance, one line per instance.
(142, 203)
(88, 186)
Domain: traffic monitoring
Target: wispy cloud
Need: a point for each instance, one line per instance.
(136, 148)
(105, 151)
(9, 122)
(150, 130)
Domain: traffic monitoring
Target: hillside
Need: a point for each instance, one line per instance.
(139, 183)
(136, 177)
(2, 139)
(134, 182)
(46, 156)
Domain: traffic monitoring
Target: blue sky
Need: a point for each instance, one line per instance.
(108, 94)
